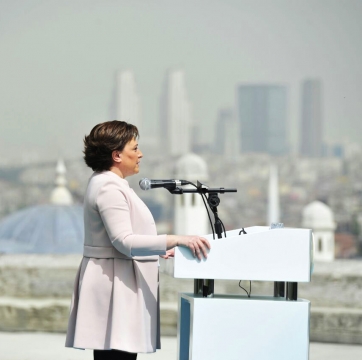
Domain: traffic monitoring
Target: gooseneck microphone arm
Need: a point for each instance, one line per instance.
(213, 201)
(204, 286)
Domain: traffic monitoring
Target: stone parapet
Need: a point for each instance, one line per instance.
(35, 294)
(51, 315)
(47, 314)
(33, 276)
(336, 325)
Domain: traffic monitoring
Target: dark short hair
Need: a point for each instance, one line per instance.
(103, 140)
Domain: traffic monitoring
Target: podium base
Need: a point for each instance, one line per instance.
(237, 327)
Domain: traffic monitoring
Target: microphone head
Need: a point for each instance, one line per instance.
(145, 184)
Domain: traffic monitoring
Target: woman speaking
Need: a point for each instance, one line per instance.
(115, 304)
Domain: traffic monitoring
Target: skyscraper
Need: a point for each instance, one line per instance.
(262, 115)
(311, 120)
(175, 115)
(226, 137)
(126, 104)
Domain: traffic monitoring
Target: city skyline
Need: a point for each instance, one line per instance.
(58, 63)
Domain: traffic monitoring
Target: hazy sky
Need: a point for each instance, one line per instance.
(58, 59)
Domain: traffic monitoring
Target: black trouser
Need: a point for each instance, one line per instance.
(113, 355)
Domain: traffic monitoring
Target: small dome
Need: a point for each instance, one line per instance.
(318, 216)
(191, 167)
(43, 229)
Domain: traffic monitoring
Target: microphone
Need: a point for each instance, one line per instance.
(147, 184)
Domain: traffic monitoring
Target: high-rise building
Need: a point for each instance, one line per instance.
(227, 135)
(262, 115)
(126, 104)
(311, 120)
(175, 115)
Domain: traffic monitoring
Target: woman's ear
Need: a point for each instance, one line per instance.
(117, 156)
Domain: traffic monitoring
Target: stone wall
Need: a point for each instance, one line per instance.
(35, 292)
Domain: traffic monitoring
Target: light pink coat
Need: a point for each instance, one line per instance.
(115, 304)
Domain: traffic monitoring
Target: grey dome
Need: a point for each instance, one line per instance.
(317, 216)
(191, 167)
(43, 229)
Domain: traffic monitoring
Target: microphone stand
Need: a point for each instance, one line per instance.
(206, 286)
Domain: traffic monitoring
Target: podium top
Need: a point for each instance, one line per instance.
(283, 254)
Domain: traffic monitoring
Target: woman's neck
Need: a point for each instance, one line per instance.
(118, 172)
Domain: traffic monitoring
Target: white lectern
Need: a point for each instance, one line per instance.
(235, 327)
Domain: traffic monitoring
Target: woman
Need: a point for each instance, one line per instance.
(115, 305)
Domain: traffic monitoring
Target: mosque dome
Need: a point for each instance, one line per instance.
(56, 228)
(191, 167)
(318, 215)
(43, 229)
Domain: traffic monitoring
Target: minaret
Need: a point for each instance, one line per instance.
(190, 213)
(273, 196)
(61, 195)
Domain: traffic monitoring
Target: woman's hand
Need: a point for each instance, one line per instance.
(169, 254)
(198, 245)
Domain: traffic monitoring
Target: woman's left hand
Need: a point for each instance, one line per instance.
(169, 254)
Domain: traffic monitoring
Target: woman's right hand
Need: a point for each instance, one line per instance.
(198, 245)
